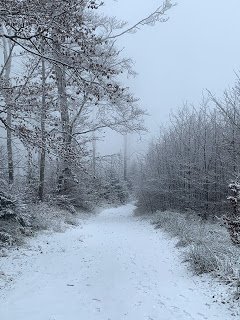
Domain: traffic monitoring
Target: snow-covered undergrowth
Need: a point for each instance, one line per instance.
(33, 218)
(208, 248)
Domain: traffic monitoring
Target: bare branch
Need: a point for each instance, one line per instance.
(157, 15)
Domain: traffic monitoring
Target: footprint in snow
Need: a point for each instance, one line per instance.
(202, 315)
(161, 303)
(182, 296)
(188, 314)
(175, 308)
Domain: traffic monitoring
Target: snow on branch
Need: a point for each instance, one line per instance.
(159, 15)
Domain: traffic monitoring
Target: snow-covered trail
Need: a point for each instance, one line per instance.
(114, 267)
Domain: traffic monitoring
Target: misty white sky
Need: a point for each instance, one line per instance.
(197, 48)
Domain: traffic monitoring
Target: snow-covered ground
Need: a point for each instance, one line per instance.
(112, 267)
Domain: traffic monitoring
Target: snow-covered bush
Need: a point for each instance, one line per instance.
(48, 217)
(63, 202)
(14, 216)
(201, 259)
(175, 225)
(6, 238)
(232, 221)
(20, 217)
(114, 191)
(207, 246)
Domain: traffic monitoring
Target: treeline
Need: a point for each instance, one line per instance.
(60, 85)
(191, 164)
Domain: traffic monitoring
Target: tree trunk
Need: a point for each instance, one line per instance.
(7, 52)
(29, 167)
(94, 155)
(43, 135)
(125, 158)
(62, 98)
(9, 147)
(65, 166)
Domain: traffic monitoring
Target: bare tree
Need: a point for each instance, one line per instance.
(7, 93)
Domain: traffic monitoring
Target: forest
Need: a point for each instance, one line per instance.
(194, 163)
(92, 214)
(189, 182)
(60, 86)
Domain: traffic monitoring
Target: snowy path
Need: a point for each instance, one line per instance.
(114, 267)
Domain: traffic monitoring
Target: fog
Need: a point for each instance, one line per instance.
(176, 61)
